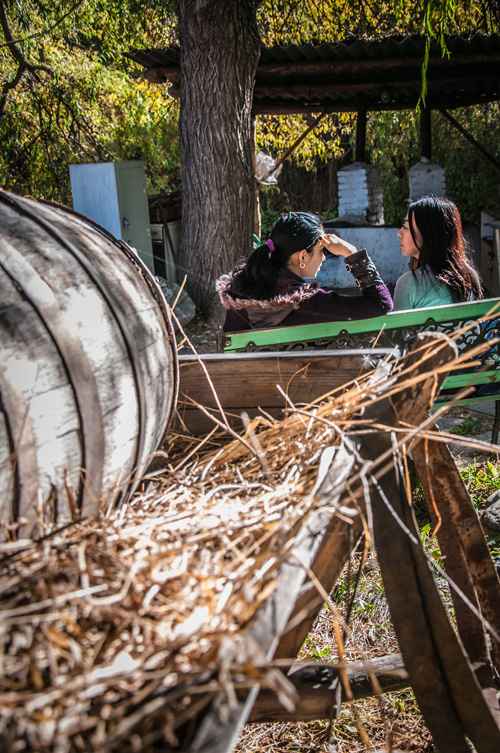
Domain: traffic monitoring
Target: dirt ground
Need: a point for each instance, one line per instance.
(201, 335)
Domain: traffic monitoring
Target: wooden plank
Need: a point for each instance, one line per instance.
(337, 544)
(317, 688)
(460, 529)
(445, 685)
(215, 735)
(248, 381)
(442, 679)
(47, 307)
(428, 462)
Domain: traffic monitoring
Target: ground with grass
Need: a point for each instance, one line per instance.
(392, 722)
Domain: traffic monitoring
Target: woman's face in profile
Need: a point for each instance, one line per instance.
(406, 242)
(313, 261)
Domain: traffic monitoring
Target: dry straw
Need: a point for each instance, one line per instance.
(117, 630)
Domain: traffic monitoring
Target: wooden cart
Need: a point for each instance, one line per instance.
(453, 675)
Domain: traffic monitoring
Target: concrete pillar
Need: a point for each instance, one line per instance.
(427, 178)
(360, 194)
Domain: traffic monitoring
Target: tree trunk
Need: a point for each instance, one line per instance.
(220, 49)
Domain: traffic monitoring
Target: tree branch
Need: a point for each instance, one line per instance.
(45, 31)
(14, 49)
(8, 86)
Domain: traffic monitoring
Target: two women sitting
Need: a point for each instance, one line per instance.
(276, 286)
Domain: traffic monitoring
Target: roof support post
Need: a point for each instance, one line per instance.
(361, 134)
(425, 132)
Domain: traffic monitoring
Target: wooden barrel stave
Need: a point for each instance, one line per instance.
(91, 311)
(131, 310)
(36, 398)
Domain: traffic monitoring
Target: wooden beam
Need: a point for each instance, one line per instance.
(285, 107)
(351, 67)
(438, 666)
(313, 87)
(214, 734)
(465, 553)
(333, 68)
(317, 688)
(361, 133)
(470, 138)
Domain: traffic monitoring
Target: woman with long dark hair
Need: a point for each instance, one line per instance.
(441, 271)
(276, 287)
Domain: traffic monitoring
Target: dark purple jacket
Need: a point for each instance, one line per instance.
(299, 302)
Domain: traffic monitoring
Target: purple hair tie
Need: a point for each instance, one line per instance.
(271, 245)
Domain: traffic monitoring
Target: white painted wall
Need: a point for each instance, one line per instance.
(382, 246)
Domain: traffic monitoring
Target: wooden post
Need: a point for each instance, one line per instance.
(361, 134)
(425, 133)
(467, 558)
(438, 666)
(317, 688)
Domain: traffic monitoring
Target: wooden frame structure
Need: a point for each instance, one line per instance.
(452, 677)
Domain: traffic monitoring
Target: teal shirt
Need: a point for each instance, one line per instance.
(420, 289)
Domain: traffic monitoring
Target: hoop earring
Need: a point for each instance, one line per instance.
(302, 265)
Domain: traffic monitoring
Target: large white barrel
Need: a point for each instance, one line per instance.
(88, 369)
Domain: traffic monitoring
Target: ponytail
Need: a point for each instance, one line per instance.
(257, 278)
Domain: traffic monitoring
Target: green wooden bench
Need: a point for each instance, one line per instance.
(399, 329)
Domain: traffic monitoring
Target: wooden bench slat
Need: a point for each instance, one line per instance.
(248, 381)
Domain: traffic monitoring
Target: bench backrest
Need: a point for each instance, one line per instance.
(397, 329)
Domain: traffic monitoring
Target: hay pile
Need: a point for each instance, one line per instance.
(115, 631)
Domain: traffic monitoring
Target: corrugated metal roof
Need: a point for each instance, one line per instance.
(377, 74)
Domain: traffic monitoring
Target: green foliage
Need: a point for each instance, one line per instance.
(268, 213)
(313, 21)
(393, 142)
(467, 428)
(472, 181)
(78, 99)
(430, 544)
(393, 145)
(481, 481)
(276, 133)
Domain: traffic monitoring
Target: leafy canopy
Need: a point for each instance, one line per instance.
(69, 95)
(392, 137)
